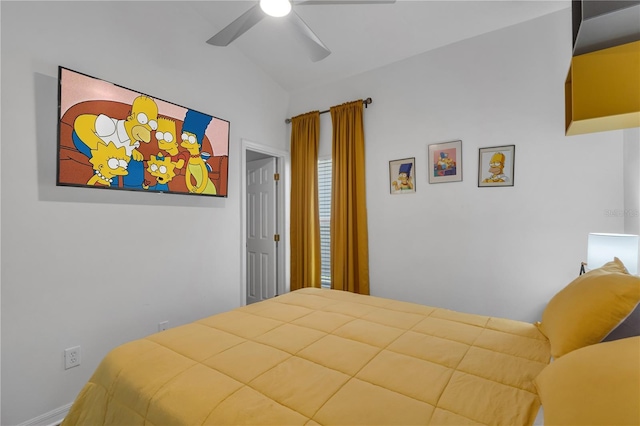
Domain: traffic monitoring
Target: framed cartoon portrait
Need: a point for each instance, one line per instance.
(402, 176)
(445, 162)
(496, 166)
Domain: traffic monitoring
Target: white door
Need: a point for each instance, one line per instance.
(262, 256)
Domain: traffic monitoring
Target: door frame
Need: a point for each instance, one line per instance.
(282, 189)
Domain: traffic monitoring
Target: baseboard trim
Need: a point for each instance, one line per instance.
(52, 418)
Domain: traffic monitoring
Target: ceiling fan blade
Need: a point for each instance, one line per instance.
(316, 48)
(237, 27)
(317, 2)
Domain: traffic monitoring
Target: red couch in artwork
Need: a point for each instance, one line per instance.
(74, 167)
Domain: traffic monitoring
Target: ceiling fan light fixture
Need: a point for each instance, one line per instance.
(276, 8)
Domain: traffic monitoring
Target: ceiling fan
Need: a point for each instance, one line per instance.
(283, 8)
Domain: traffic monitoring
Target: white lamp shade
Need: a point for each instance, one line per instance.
(275, 8)
(602, 248)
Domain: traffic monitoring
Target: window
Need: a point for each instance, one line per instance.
(324, 199)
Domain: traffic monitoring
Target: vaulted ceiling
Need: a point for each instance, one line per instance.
(362, 37)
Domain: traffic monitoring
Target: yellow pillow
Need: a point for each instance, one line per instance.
(596, 385)
(587, 309)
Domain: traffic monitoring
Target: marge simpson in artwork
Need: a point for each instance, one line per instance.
(404, 182)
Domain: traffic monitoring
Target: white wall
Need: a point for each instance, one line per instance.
(632, 181)
(631, 210)
(98, 268)
(495, 251)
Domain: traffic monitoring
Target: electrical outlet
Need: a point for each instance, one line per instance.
(71, 357)
(162, 326)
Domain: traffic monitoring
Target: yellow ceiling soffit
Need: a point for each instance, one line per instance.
(602, 90)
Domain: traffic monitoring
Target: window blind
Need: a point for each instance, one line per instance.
(324, 201)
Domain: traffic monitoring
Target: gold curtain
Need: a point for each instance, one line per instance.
(305, 222)
(349, 235)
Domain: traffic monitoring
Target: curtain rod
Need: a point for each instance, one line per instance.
(365, 103)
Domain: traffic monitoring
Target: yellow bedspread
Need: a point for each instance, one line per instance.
(322, 357)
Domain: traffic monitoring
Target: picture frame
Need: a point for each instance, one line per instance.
(114, 138)
(402, 176)
(445, 162)
(496, 166)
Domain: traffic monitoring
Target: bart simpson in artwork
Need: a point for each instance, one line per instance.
(168, 142)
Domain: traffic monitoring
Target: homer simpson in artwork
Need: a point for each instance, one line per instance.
(90, 130)
(496, 168)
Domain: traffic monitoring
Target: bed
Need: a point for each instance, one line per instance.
(317, 356)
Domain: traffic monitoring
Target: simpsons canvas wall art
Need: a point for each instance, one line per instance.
(116, 138)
